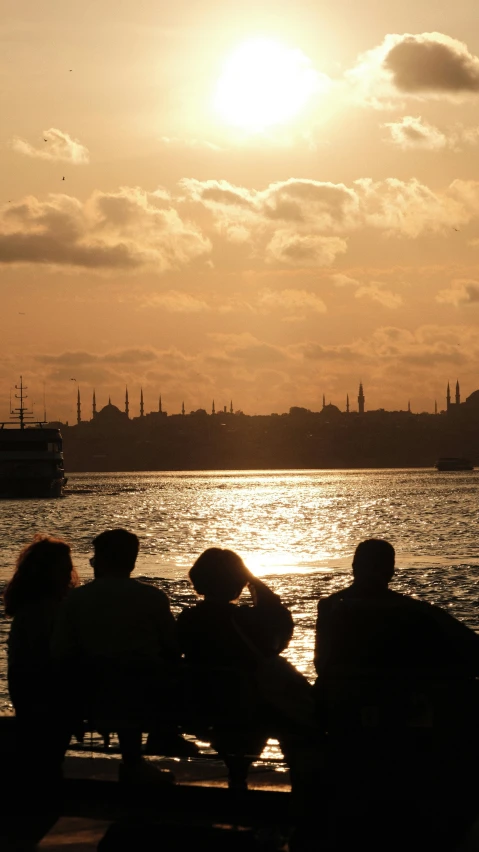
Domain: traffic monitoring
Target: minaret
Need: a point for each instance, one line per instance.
(435, 406)
(142, 407)
(78, 406)
(127, 406)
(361, 399)
(231, 407)
(324, 401)
(448, 398)
(213, 410)
(409, 406)
(458, 393)
(183, 407)
(347, 403)
(159, 405)
(93, 406)
(109, 400)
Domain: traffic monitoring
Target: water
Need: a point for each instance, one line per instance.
(298, 529)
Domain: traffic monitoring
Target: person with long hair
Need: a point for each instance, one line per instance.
(43, 575)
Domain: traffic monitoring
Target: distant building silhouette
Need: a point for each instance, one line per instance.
(78, 406)
(361, 399)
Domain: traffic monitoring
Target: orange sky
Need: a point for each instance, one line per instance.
(262, 204)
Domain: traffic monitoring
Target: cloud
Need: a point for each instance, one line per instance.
(341, 280)
(289, 220)
(386, 298)
(124, 230)
(56, 146)
(248, 350)
(295, 249)
(295, 223)
(432, 62)
(117, 356)
(389, 348)
(421, 65)
(296, 201)
(176, 302)
(412, 132)
(462, 292)
(291, 300)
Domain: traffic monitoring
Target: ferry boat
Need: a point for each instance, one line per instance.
(31, 456)
(453, 463)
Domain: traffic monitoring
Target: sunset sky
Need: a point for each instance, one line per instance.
(263, 201)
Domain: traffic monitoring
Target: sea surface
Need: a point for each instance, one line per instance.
(296, 529)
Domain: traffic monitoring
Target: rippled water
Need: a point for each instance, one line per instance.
(297, 528)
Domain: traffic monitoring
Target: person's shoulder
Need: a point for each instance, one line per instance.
(147, 591)
(190, 614)
(79, 593)
(335, 598)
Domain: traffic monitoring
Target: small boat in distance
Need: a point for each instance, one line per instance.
(453, 463)
(31, 456)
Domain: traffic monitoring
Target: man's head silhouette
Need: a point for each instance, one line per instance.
(373, 563)
(115, 553)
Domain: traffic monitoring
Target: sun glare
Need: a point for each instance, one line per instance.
(264, 83)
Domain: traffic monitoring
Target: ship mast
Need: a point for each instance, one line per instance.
(21, 413)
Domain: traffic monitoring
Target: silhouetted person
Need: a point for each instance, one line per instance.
(396, 693)
(220, 576)
(369, 627)
(219, 636)
(119, 635)
(43, 575)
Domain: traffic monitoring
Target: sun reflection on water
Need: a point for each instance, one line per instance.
(298, 529)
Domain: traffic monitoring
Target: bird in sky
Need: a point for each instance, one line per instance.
(63, 178)
(73, 380)
(456, 229)
(22, 313)
(45, 140)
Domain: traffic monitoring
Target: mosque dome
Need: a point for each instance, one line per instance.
(110, 412)
(330, 411)
(473, 399)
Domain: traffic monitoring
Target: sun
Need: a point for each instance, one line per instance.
(264, 83)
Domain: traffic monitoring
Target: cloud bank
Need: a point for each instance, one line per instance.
(124, 230)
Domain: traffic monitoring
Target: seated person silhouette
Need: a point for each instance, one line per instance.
(222, 642)
(43, 576)
(118, 638)
(396, 696)
(370, 641)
